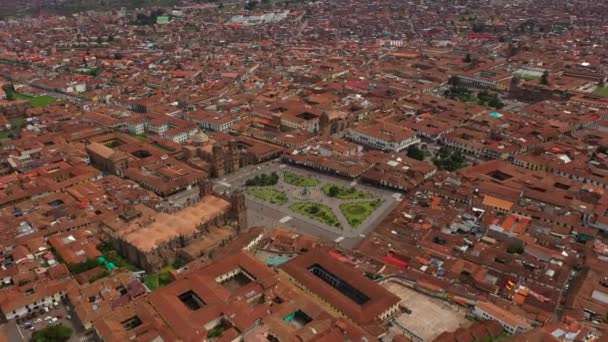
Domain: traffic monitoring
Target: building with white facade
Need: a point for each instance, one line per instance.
(383, 136)
(513, 324)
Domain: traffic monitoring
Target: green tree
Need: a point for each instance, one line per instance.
(333, 191)
(448, 159)
(495, 102)
(9, 90)
(83, 266)
(516, 247)
(415, 153)
(53, 333)
(545, 78)
(313, 209)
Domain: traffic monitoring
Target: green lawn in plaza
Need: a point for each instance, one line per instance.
(299, 180)
(267, 194)
(317, 212)
(356, 212)
(345, 193)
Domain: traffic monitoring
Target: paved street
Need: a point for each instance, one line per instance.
(261, 213)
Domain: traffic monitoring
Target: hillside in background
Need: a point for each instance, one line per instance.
(22, 8)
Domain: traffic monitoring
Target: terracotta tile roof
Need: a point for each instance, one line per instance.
(379, 301)
(184, 223)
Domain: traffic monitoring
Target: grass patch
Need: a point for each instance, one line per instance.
(344, 193)
(263, 180)
(5, 135)
(119, 261)
(267, 194)
(299, 180)
(37, 101)
(356, 212)
(601, 91)
(158, 279)
(111, 255)
(317, 212)
(152, 281)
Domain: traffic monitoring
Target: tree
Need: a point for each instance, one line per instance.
(220, 6)
(415, 153)
(83, 266)
(495, 103)
(545, 78)
(313, 209)
(467, 58)
(516, 247)
(449, 159)
(274, 178)
(54, 333)
(333, 191)
(9, 90)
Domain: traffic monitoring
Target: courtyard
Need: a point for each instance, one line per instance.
(429, 316)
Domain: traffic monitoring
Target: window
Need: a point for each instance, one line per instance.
(191, 300)
(131, 323)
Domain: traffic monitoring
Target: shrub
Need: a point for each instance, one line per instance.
(55, 333)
